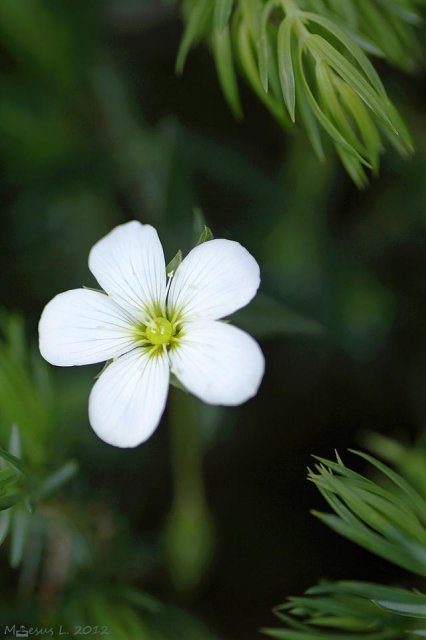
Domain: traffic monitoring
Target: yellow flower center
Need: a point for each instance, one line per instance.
(159, 331)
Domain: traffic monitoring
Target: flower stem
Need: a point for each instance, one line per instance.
(189, 531)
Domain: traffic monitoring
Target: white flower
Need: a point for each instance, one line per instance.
(150, 330)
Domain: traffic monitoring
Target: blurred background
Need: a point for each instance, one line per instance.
(198, 533)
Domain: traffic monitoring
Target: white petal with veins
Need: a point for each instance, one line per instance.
(217, 362)
(215, 279)
(128, 400)
(83, 327)
(129, 265)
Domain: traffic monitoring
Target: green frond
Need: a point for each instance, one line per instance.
(389, 522)
(26, 395)
(28, 475)
(340, 91)
(387, 516)
(352, 610)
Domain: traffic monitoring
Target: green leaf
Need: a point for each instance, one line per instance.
(347, 610)
(177, 383)
(285, 65)
(326, 87)
(403, 10)
(202, 232)
(16, 463)
(197, 24)
(224, 60)
(250, 68)
(263, 47)
(309, 120)
(415, 498)
(365, 124)
(327, 125)
(8, 501)
(263, 44)
(4, 524)
(174, 263)
(411, 610)
(381, 519)
(54, 481)
(205, 235)
(199, 220)
(271, 72)
(6, 475)
(383, 31)
(404, 137)
(15, 441)
(24, 394)
(377, 103)
(351, 46)
(367, 45)
(353, 167)
(373, 543)
(222, 13)
(19, 530)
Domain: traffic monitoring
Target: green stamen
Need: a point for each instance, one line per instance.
(159, 331)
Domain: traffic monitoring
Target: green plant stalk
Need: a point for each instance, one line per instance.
(189, 530)
(186, 448)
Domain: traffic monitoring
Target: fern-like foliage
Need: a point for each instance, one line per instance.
(28, 474)
(351, 611)
(387, 517)
(309, 63)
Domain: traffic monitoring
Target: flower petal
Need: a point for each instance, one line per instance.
(129, 265)
(218, 363)
(127, 402)
(83, 327)
(215, 279)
